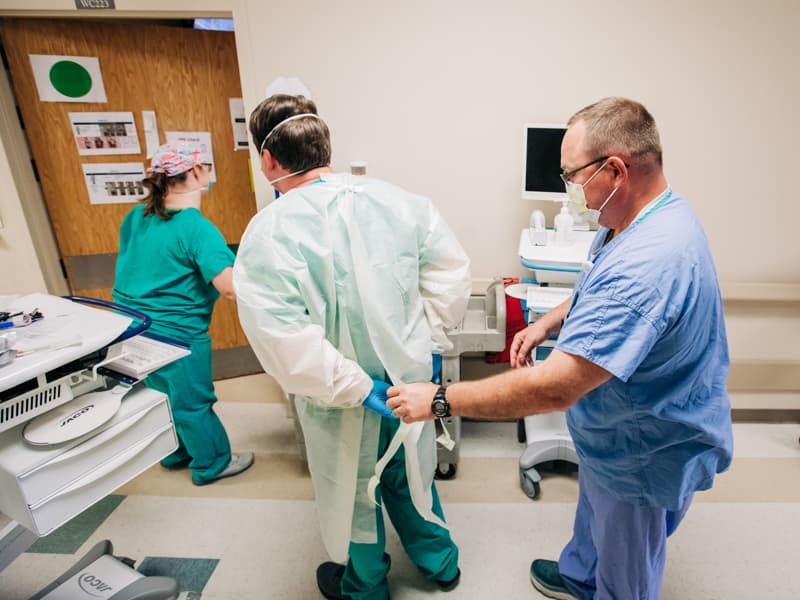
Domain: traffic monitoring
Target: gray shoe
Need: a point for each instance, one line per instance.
(240, 462)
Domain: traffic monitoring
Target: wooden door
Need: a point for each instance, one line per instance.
(184, 75)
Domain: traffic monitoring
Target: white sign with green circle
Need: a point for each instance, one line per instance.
(68, 78)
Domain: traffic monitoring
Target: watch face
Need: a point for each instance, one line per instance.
(438, 408)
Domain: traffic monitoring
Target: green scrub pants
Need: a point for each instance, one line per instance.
(202, 440)
(428, 545)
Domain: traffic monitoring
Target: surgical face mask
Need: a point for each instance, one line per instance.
(577, 198)
(272, 182)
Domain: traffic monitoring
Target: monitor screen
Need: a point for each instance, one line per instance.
(542, 166)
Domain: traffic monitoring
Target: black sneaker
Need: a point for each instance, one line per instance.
(446, 586)
(546, 578)
(329, 580)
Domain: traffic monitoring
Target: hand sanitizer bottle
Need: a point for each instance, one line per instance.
(536, 232)
(564, 224)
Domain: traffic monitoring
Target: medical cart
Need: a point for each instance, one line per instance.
(555, 271)
(73, 429)
(483, 329)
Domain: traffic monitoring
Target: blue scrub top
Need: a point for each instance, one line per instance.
(650, 312)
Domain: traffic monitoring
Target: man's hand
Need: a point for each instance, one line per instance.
(412, 402)
(525, 341)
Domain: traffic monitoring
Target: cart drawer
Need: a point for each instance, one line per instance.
(60, 471)
(72, 500)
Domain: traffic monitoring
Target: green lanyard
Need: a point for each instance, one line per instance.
(666, 195)
(658, 201)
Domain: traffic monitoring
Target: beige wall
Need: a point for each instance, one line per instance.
(21, 271)
(434, 95)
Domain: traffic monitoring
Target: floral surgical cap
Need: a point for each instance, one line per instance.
(172, 159)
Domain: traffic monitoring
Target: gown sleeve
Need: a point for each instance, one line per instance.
(444, 280)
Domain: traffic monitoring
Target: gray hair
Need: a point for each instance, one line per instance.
(620, 126)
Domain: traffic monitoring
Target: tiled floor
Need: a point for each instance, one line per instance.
(255, 537)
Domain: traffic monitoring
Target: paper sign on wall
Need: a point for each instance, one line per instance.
(114, 183)
(239, 124)
(104, 133)
(67, 78)
(150, 132)
(198, 139)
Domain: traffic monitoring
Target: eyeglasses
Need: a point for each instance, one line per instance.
(566, 176)
(207, 166)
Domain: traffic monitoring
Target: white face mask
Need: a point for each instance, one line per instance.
(577, 198)
(282, 177)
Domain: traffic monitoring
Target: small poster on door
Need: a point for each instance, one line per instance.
(201, 140)
(68, 78)
(104, 133)
(114, 183)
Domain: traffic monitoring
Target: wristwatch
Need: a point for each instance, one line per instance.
(440, 407)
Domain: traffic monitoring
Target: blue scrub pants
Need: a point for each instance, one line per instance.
(202, 440)
(617, 550)
(428, 545)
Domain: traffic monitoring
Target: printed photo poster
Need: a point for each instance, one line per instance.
(68, 78)
(104, 133)
(197, 139)
(114, 183)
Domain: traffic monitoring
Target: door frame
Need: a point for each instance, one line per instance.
(42, 239)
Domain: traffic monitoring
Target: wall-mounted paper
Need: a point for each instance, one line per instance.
(68, 78)
(114, 183)
(198, 139)
(239, 124)
(104, 133)
(150, 132)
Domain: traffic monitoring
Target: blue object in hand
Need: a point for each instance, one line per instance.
(436, 377)
(377, 399)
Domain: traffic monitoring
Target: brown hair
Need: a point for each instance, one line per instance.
(157, 185)
(299, 145)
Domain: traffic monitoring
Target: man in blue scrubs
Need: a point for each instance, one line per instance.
(640, 364)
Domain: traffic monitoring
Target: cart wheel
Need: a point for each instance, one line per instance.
(445, 471)
(521, 436)
(529, 481)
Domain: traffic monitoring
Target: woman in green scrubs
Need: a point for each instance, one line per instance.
(173, 264)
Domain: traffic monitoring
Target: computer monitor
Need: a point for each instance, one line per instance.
(542, 152)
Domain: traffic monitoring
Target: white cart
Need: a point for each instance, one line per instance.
(483, 329)
(555, 270)
(44, 484)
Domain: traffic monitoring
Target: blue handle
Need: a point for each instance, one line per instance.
(128, 333)
(436, 361)
(537, 267)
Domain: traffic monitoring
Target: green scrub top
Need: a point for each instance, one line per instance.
(165, 268)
